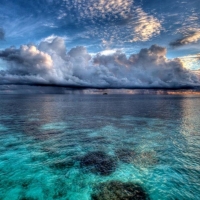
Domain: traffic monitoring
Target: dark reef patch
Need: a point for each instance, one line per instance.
(116, 190)
(98, 162)
(125, 155)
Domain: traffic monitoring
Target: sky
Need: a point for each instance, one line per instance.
(100, 43)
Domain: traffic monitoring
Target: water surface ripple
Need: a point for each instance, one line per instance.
(72, 146)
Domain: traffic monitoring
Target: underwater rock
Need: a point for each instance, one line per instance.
(116, 190)
(125, 155)
(98, 162)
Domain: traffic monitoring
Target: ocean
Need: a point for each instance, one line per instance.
(108, 147)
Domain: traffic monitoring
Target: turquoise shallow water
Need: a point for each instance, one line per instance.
(43, 140)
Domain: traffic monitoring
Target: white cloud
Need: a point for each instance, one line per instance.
(122, 20)
(50, 64)
(146, 26)
(108, 52)
(98, 8)
(191, 61)
(192, 38)
(27, 60)
(190, 31)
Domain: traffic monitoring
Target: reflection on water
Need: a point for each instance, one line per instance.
(96, 147)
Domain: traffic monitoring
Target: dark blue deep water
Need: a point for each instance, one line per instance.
(73, 146)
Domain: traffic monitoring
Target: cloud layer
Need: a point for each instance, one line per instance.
(50, 64)
(111, 21)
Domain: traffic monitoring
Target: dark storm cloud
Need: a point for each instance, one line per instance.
(50, 64)
(25, 89)
(2, 34)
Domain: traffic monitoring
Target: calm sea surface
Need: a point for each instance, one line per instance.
(82, 147)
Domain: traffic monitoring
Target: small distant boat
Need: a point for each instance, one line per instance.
(105, 93)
